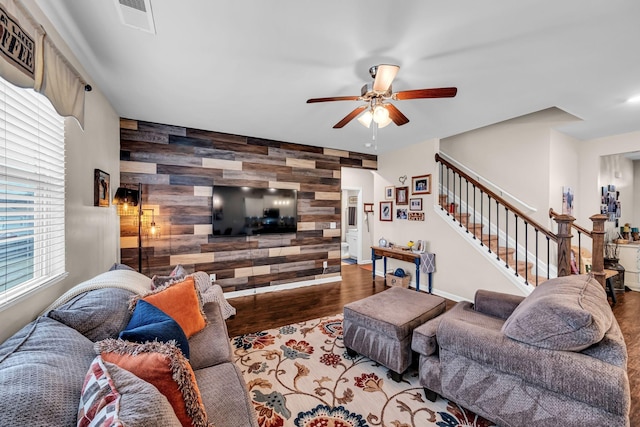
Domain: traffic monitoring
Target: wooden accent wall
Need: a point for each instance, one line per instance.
(178, 167)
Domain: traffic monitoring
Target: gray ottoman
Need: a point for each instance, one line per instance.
(380, 326)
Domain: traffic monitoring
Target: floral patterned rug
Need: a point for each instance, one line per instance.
(300, 375)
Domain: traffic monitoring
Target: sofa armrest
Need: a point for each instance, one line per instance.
(211, 346)
(424, 339)
(496, 304)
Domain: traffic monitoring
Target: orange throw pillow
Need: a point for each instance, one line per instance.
(164, 366)
(181, 301)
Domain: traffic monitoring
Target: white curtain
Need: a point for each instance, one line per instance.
(29, 59)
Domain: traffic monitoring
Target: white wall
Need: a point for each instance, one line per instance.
(590, 181)
(635, 220)
(92, 243)
(457, 263)
(517, 147)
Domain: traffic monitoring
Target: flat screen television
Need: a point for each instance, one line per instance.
(245, 211)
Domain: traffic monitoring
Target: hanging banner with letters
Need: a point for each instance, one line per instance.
(20, 46)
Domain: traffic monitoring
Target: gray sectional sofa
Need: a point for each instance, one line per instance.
(43, 366)
(556, 357)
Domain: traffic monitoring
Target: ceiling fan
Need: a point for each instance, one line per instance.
(377, 95)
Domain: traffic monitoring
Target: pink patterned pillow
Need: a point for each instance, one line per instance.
(99, 401)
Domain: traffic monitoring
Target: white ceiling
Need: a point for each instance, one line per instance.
(247, 67)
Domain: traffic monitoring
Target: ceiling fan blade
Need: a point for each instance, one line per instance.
(384, 76)
(350, 116)
(443, 92)
(395, 115)
(333, 98)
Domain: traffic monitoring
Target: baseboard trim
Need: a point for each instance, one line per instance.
(284, 286)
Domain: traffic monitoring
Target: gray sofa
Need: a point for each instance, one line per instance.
(556, 357)
(43, 366)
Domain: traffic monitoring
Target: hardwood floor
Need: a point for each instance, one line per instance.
(265, 311)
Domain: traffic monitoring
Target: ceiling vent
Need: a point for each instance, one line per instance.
(136, 14)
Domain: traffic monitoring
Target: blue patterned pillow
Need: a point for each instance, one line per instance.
(149, 323)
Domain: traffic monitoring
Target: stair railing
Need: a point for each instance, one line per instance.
(597, 236)
(515, 238)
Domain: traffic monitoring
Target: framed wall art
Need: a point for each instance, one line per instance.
(368, 207)
(401, 213)
(415, 204)
(386, 211)
(402, 196)
(101, 188)
(389, 192)
(421, 184)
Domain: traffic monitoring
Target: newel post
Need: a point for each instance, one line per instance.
(597, 250)
(564, 243)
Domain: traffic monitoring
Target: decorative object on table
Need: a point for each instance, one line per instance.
(386, 211)
(567, 201)
(421, 184)
(416, 216)
(402, 179)
(415, 204)
(383, 242)
(389, 192)
(101, 188)
(368, 207)
(401, 214)
(402, 195)
(410, 244)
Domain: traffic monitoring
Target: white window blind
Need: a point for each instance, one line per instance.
(32, 192)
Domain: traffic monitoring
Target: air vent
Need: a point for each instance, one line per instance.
(136, 14)
(135, 4)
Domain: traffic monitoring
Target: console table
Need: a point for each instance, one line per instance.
(378, 252)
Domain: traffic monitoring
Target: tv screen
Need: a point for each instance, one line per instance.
(245, 211)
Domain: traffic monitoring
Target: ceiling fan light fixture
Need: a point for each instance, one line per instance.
(380, 114)
(365, 118)
(384, 123)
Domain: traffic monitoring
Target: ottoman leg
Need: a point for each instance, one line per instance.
(395, 376)
(351, 353)
(430, 394)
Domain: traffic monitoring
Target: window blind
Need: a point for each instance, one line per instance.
(32, 192)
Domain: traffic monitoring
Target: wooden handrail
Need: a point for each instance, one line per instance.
(554, 214)
(495, 196)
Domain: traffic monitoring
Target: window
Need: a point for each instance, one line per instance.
(31, 192)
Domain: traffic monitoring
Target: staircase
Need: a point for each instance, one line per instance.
(515, 241)
(480, 231)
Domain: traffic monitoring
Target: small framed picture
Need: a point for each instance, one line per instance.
(368, 207)
(389, 193)
(353, 200)
(101, 188)
(415, 204)
(402, 196)
(421, 184)
(401, 213)
(386, 211)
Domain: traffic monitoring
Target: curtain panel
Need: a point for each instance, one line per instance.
(29, 59)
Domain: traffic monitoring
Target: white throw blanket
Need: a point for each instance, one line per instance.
(123, 279)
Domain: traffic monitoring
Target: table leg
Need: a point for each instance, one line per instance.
(384, 273)
(430, 283)
(373, 269)
(417, 262)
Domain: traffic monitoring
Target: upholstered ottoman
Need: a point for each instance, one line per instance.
(380, 326)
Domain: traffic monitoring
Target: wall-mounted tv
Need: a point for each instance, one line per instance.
(245, 211)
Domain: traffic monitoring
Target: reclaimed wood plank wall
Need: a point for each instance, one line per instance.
(178, 167)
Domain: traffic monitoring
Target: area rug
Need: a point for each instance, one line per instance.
(300, 375)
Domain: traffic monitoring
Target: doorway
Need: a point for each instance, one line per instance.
(351, 247)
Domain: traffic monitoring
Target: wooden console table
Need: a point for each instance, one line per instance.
(378, 252)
